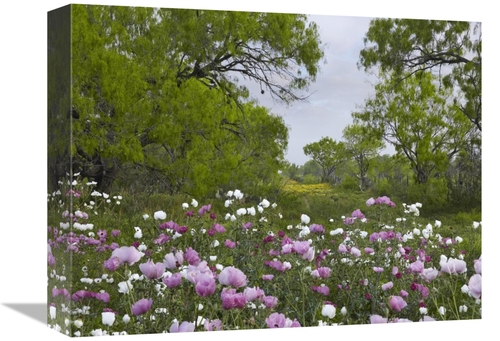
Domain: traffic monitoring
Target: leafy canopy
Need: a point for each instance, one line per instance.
(328, 153)
(417, 118)
(450, 49)
(156, 90)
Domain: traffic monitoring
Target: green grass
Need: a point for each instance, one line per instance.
(321, 203)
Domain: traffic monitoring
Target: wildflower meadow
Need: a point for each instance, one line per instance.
(232, 264)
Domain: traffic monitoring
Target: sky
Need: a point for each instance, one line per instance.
(23, 148)
(339, 89)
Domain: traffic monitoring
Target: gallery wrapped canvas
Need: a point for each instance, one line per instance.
(180, 201)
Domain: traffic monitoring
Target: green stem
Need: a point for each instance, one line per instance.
(375, 293)
(303, 297)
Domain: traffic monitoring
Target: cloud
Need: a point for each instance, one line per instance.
(339, 88)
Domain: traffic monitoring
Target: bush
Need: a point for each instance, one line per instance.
(432, 194)
(310, 179)
(350, 183)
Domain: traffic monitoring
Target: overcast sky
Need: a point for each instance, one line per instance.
(339, 88)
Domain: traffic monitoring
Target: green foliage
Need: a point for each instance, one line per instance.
(309, 173)
(350, 183)
(382, 187)
(312, 167)
(362, 146)
(417, 120)
(464, 177)
(58, 94)
(408, 46)
(155, 94)
(310, 179)
(329, 154)
(464, 218)
(293, 171)
(390, 175)
(434, 121)
(432, 194)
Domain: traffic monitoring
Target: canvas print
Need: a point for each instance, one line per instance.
(216, 170)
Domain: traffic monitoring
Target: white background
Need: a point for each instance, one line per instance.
(23, 164)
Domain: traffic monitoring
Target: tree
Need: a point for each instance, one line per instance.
(278, 51)
(362, 146)
(416, 118)
(464, 176)
(156, 90)
(312, 167)
(407, 47)
(293, 171)
(58, 97)
(193, 151)
(329, 154)
(391, 175)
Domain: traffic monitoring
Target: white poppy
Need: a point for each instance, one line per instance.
(108, 318)
(160, 215)
(328, 310)
(124, 287)
(138, 232)
(237, 194)
(336, 231)
(304, 232)
(265, 203)
(425, 233)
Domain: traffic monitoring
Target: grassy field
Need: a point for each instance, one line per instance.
(312, 255)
